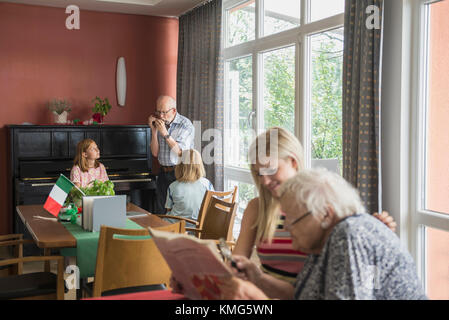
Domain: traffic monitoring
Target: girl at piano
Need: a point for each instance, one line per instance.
(86, 167)
(185, 195)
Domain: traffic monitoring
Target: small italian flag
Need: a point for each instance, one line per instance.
(58, 194)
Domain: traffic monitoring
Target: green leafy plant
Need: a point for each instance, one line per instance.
(59, 106)
(102, 106)
(95, 188)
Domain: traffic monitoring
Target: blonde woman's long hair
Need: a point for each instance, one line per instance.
(284, 145)
(191, 167)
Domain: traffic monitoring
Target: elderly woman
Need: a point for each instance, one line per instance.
(351, 254)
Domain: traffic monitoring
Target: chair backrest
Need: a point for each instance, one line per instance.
(18, 253)
(178, 227)
(228, 196)
(219, 220)
(128, 262)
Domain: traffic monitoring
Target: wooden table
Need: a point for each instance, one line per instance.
(148, 220)
(49, 234)
(52, 234)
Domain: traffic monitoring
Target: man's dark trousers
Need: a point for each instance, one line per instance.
(164, 179)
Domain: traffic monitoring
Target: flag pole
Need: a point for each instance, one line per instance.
(79, 190)
(74, 185)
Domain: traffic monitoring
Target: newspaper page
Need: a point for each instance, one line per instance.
(195, 264)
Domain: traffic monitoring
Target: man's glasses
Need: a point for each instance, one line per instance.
(159, 113)
(298, 219)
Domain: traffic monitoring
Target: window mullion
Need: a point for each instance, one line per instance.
(305, 112)
(417, 130)
(304, 12)
(258, 91)
(298, 88)
(238, 174)
(433, 219)
(259, 18)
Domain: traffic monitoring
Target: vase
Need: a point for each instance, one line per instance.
(98, 117)
(60, 118)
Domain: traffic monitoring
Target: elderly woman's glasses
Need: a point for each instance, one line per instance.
(159, 113)
(298, 219)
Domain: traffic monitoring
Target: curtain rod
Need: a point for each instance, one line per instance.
(196, 7)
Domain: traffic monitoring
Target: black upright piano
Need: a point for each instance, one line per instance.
(40, 153)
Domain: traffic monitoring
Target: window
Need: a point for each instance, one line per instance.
(436, 130)
(281, 70)
(437, 263)
(246, 192)
(326, 63)
(280, 15)
(239, 106)
(320, 9)
(279, 88)
(430, 170)
(241, 23)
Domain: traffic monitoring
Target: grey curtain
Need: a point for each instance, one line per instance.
(200, 81)
(361, 100)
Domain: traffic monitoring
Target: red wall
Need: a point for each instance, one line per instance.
(40, 60)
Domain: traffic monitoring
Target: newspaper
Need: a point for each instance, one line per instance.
(196, 264)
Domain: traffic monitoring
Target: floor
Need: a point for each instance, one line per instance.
(38, 266)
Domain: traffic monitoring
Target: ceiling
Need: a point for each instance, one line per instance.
(164, 8)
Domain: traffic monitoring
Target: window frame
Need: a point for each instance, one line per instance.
(402, 118)
(420, 217)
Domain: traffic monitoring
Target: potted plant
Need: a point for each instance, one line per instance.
(60, 109)
(95, 188)
(101, 108)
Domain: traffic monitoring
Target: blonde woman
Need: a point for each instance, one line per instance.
(184, 196)
(263, 222)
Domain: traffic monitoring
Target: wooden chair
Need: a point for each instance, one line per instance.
(218, 221)
(228, 196)
(178, 227)
(18, 253)
(128, 265)
(36, 285)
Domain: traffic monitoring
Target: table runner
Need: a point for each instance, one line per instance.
(87, 245)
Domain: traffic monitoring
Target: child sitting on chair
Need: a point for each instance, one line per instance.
(86, 167)
(185, 195)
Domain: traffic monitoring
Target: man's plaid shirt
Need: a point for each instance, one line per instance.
(183, 132)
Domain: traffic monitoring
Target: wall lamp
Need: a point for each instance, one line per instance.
(121, 81)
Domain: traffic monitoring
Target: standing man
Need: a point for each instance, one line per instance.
(170, 134)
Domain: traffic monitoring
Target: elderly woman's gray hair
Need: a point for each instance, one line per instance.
(318, 189)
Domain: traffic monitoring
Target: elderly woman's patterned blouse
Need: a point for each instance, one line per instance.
(362, 259)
